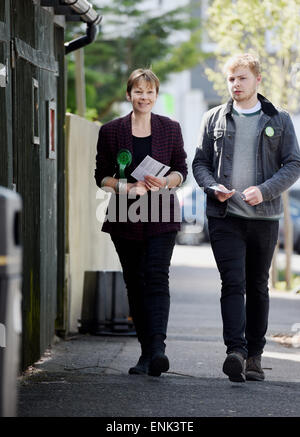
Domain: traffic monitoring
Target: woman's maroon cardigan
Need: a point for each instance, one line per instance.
(167, 147)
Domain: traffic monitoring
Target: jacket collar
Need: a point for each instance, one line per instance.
(126, 136)
(267, 107)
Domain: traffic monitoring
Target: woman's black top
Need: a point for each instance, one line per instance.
(141, 148)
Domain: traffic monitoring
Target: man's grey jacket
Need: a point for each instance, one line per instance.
(277, 156)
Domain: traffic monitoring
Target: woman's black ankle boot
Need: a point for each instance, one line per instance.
(159, 362)
(142, 366)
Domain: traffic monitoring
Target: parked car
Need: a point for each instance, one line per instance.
(194, 229)
(294, 202)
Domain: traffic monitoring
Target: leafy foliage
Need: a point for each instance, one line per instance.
(269, 28)
(133, 38)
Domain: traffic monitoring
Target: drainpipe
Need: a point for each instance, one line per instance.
(92, 19)
(82, 41)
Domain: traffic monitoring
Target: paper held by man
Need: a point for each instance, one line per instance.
(222, 189)
(225, 190)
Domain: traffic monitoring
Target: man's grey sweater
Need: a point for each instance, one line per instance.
(244, 164)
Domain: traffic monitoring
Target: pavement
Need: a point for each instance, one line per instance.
(87, 376)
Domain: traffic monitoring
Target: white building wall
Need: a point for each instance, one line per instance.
(88, 248)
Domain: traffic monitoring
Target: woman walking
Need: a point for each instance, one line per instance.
(144, 246)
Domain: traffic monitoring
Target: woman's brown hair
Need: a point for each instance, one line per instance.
(142, 74)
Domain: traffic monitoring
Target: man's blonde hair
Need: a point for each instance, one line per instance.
(142, 74)
(243, 60)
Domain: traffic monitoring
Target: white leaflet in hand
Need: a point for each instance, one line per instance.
(221, 189)
(149, 166)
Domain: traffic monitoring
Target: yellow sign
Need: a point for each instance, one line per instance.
(5, 260)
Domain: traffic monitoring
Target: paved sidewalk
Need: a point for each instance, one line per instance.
(87, 375)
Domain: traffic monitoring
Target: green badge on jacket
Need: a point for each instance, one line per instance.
(269, 131)
(124, 158)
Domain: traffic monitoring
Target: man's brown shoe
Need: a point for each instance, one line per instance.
(254, 372)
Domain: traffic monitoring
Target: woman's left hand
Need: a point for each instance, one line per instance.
(138, 188)
(153, 183)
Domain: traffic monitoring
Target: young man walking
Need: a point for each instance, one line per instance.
(246, 157)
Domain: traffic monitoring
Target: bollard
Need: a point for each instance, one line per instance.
(105, 309)
(10, 299)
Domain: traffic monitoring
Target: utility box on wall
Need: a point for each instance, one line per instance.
(105, 309)
(10, 299)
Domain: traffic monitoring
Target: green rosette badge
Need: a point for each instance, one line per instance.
(124, 159)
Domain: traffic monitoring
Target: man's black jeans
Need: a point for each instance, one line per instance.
(243, 250)
(146, 274)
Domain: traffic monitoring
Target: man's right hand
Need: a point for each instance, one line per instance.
(222, 197)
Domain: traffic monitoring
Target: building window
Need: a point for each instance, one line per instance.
(35, 112)
(51, 130)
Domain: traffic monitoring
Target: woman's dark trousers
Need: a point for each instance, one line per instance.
(145, 267)
(243, 250)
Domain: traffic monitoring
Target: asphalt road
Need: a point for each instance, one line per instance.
(87, 375)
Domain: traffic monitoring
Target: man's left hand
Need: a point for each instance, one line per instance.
(253, 196)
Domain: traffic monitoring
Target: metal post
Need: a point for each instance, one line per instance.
(80, 82)
(288, 240)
